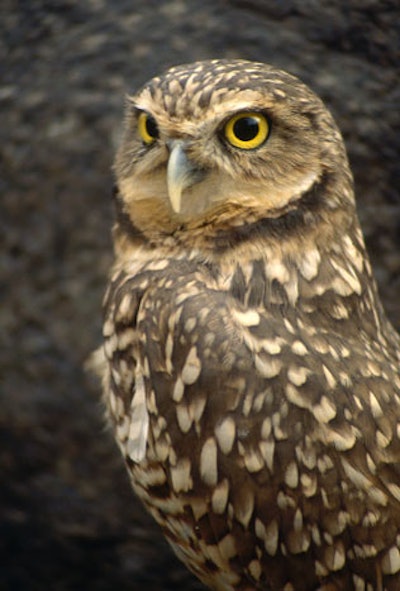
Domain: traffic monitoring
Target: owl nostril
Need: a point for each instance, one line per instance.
(183, 141)
(170, 144)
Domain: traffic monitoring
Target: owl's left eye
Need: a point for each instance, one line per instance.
(148, 129)
(247, 130)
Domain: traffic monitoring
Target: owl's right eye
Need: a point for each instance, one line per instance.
(148, 129)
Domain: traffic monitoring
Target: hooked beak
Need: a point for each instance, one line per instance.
(181, 174)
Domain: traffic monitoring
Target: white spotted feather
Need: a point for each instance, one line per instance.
(139, 427)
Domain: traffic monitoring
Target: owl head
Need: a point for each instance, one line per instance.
(220, 139)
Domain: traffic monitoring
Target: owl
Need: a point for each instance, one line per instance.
(250, 373)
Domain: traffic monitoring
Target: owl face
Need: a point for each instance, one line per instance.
(215, 135)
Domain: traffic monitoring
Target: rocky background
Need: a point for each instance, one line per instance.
(68, 519)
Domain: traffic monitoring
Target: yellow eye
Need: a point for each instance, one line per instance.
(148, 129)
(247, 130)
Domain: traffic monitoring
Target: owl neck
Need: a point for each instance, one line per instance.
(310, 258)
(325, 280)
(232, 225)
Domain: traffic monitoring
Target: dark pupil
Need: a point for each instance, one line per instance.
(246, 129)
(151, 127)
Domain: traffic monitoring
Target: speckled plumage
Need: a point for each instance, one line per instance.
(250, 372)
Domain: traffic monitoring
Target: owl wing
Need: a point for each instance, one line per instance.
(249, 408)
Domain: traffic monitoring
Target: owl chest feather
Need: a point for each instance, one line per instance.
(233, 412)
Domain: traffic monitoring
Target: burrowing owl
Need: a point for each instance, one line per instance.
(250, 372)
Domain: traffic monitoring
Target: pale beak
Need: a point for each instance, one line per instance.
(181, 174)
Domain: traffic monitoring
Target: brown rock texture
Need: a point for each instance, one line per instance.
(68, 518)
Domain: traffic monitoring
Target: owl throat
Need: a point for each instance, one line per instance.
(307, 259)
(224, 224)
